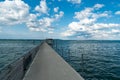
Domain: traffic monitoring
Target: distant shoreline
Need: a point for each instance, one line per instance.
(60, 39)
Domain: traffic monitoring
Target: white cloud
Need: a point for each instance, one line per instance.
(44, 23)
(56, 9)
(50, 32)
(67, 33)
(58, 16)
(87, 17)
(115, 31)
(103, 25)
(42, 8)
(76, 26)
(98, 6)
(87, 27)
(88, 12)
(103, 34)
(40, 25)
(13, 12)
(117, 12)
(83, 14)
(74, 1)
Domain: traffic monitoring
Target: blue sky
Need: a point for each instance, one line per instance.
(60, 19)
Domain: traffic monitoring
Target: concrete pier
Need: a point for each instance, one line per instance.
(48, 65)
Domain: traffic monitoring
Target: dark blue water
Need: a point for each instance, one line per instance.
(11, 50)
(94, 60)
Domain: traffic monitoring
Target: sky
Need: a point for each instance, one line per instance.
(60, 19)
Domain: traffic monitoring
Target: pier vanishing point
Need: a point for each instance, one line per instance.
(41, 63)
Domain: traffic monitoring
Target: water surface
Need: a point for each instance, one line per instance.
(11, 50)
(94, 60)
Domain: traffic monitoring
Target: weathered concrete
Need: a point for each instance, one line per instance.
(48, 65)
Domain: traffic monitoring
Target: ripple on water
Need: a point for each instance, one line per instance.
(94, 60)
(11, 50)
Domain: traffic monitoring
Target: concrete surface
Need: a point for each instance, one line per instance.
(48, 65)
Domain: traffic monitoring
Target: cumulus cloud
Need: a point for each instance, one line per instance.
(74, 1)
(17, 12)
(50, 32)
(42, 8)
(68, 33)
(97, 6)
(87, 27)
(105, 25)
(89, 13)
(115, 31)
(44, 23)
(117, 12)
(58, 16)
(56, 9)
(13, 12)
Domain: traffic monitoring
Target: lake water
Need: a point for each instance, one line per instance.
(11, 50)
(93, 60)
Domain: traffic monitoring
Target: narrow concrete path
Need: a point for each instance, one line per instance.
(48, 65)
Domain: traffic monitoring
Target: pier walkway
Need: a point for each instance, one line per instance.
(48, 65)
